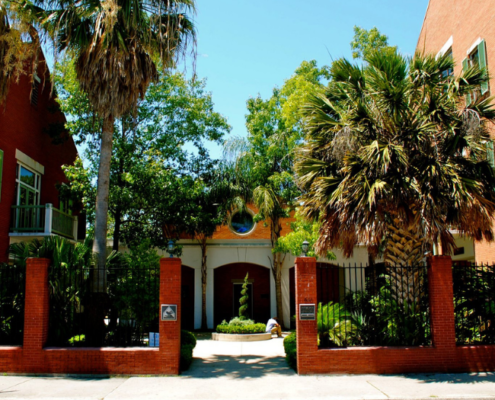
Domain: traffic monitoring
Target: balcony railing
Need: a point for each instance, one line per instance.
(45, 220)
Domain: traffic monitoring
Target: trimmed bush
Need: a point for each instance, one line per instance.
(290, 347)
(253, 328)
(188, 343)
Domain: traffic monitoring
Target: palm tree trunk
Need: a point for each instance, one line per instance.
(102, 193)
(204, 322)
(98, 301)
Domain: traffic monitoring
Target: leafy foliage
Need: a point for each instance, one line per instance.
(290, 347)
(366, 42)
(241, 329)
(188, 343)
(12, 287)
(243, 301)
(389, 143)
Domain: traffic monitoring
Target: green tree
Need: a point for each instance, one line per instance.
(243, 301)
(301, 230)
(264, 160)
(394, 143)
(366, 42)
(152, 152)
(118, 47)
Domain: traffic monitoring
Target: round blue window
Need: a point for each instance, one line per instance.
(242, 222)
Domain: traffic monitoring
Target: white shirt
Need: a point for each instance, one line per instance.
(270, 325)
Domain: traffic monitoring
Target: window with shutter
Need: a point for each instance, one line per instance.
(465, 67)
(490, 157)
(482, 64)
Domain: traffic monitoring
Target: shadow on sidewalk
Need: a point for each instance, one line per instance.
(481, 377)
(238, 367)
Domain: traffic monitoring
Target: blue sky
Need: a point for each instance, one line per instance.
(248, 47)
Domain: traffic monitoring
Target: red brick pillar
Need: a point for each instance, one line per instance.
(36, 313)
(442, 306)
(307, 337)
(170, 293)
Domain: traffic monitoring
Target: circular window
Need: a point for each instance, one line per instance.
(242, 222)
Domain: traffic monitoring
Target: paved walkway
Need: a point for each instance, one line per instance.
(254, 370)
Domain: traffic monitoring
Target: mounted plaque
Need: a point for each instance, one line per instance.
(169, 312)
(307, 312)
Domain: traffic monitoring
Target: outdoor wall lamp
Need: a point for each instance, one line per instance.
(305, 248)
(171, 248)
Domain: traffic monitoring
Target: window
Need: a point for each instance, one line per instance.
(450, 71)
(27, 186)
(477, 57)
(242, 222)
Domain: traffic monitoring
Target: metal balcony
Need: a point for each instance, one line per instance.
(43, 220)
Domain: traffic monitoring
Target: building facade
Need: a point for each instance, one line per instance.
(33, 148)
(237, 248)
(465, 30)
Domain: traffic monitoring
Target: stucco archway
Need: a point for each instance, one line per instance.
(229, 275)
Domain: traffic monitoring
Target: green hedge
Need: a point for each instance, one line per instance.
(188, 343)
(254, 328)
(290, 346)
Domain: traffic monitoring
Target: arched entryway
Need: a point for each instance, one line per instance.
(187, 315)
(228, 281)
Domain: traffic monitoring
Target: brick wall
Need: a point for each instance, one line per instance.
(23, 126)
(443, 356)
(32, 357)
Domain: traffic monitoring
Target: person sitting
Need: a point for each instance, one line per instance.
(272, 326)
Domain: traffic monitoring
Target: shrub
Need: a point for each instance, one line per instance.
(251, 328)
(188, 343)
(237, 321)
(290, 347)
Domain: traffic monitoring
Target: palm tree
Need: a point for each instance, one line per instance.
(118, 46)
(393, 147)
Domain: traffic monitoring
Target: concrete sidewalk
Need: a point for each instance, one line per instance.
(255, 370)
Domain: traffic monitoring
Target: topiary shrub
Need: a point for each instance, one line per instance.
(188, 343)
(290, 347)
(243, 301)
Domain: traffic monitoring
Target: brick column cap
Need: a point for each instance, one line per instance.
(302, 259)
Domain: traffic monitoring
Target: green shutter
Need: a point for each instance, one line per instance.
(490, 157)
(483, 65)
(1, 171)
(465, 67)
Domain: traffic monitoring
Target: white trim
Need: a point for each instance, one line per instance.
(29, 162)
(473, 47)
(445, 47)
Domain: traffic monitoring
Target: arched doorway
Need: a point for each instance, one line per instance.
(187, 306)
(228, 281)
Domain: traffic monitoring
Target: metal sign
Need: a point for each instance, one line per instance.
(154, 339)
(169, 312)
(307, 312)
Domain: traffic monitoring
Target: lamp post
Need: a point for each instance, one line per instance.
(171, 248)
(305, 248)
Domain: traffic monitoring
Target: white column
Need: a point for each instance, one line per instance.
(48, 218)
(286, 295)
(209, 297)
(273, 295)
(197, 298)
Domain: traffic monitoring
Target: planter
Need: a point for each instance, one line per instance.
(237, 337)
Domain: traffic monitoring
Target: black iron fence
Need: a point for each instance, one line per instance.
(114, 307)
(372, 305)
(12, 288)
(474, 303)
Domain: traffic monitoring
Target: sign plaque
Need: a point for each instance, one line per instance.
(307, 312)
(169, 312)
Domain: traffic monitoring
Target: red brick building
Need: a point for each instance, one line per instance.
(465, 29)
(30, 163)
